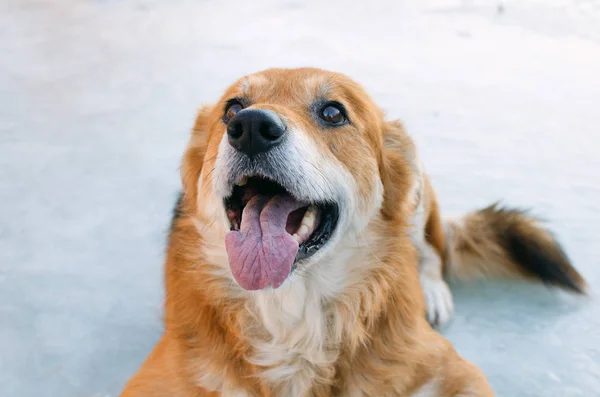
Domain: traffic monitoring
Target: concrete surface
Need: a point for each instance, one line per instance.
(96, 100)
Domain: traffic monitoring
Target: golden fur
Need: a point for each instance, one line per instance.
(353, 323)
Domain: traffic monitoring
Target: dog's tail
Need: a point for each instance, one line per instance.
(502, 242)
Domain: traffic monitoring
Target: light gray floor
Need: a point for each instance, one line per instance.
(96, 100)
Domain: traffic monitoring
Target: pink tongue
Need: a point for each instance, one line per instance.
(262, 253)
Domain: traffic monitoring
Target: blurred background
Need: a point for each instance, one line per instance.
(97, 98)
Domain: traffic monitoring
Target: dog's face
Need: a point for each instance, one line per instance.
(292, 165)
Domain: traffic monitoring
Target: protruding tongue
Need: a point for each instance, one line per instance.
(262, 253)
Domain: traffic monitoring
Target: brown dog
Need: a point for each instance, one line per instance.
(297, 248)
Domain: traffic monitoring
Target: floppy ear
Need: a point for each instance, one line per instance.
(399, 163)
(194, 158)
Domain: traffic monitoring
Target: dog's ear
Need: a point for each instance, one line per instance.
(398, 168)
(194, 157)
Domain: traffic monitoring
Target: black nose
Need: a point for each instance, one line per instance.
(254, 131)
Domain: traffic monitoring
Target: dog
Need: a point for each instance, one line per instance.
(307, 255)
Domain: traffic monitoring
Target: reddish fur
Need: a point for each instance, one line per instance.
(434, 229)
(479, 247)
(387, 347)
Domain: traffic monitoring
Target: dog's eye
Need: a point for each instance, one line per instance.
(333, 113)
(233, 108)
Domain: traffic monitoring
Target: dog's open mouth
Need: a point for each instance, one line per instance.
(271, 230)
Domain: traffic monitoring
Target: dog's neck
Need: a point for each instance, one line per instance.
(295, 342)
(309, 319)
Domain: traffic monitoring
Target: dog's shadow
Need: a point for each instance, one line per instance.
(510, 306)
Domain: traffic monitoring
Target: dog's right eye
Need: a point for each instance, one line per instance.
(233, 107)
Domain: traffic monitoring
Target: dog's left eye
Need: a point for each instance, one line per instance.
(333, 113)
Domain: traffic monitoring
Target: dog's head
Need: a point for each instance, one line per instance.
(293, 163)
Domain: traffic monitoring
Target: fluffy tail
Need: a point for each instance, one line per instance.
(501, 242)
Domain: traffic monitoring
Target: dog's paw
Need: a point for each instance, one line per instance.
(438, 299)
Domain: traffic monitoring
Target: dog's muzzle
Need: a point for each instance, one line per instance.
(276, 217)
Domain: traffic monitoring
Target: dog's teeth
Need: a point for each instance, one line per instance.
(242, 181)
(307, 225)
(297, 238)
(303, 230)
(308, 221)
(311, 211)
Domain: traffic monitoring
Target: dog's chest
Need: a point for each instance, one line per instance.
(296, 347)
